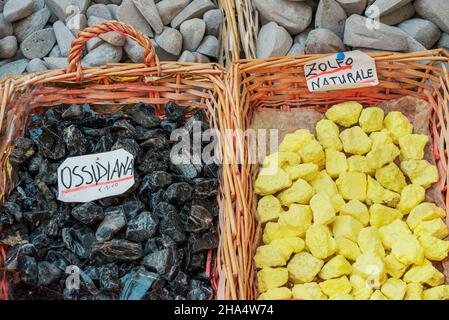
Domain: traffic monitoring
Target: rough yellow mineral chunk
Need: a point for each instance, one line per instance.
(336, 267)
(381, 215)
(324, 183)
(420, 172)
(300, 192)
(298, 217)
(281, 160)
(375, 193)
(424, 274)
(276, 294)
(322, 208)
(352, 186)
(394, 289)
(342, 296)
(270, 181)
(382, 155)
(412, 146)
(411, 196)
(304, 267)
(436, 227)
(294, 142)
(434, 248)
(413, 291)
(289, 246)
(437, 293)
(398, 125)
(308, 291)
(356, 209)
(378, 295)
(369, 241)
(305, 171)
(328, 135)
(347, 248)
(370, 267)
(380, 138)
(408, 250)
(268, 209)
(355, 141)
(271, 278)
(394, 267)
(320, 242)
(372, 119)
(333, 287)
(269, 256)
(336, 163)
(345, 114)
(392, 232)
(358, 163)
(391, 177)
(313, 152)
(274, 231)
(337, 202)
(347, 226)
(424, 212)
(360, 289)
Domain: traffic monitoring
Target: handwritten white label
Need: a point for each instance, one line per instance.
(344, 70)
(95, 176)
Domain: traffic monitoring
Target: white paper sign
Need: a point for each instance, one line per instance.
(95, 176)
(344, 70)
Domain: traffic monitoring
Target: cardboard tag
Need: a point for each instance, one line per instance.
(345, 70)
(95, 176)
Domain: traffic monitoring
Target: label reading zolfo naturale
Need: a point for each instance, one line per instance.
(95, 176)
(345, 70)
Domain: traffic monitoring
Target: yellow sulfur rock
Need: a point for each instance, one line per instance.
(398, 125)
(413, 291)
(337, 202)
(370, 267)
(328, 133)
(294, 142)
(411, 196)
(269, 256)
(308, 291)
(355, 141)
(352, 186)
(420, 172)
(394, 267)
(437, 293)
(336, 163)
(271, 278)
(304, 267)
(382, 155)
(391, 177)
(394, 289)
(319, 241)
(324, 183)
(345, 114)
(289, 246)
(342, 296)
(412, 146)
(275, 231)
(347, 226)
(372, 119)
(358, 163)
(336, 267)
(333, 287)
(378, 295)
(270, 181)
(268, 209)
(305, 171)
(381, 215)
(424, 212)
(380, 138)
(360, 289)
(298, 217)
(369, 241)
(424, 274)
(347, 248)
(436, 227)
(276, 294)
(322, 208)
(434, 248)
(408, 250)
(281, 160)
(392, 232)
(312, 152)
(300, 192)
(356, 209)
(375, 193)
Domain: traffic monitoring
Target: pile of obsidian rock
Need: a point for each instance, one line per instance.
(151, 242)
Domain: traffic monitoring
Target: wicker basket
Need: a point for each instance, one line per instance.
(248, 27)
(198, 86)
(279, 83)
(229, 50)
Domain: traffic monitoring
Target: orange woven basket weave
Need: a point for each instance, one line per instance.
(279, 83)
(107, 88)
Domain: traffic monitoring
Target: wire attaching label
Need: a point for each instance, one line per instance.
(344, 70)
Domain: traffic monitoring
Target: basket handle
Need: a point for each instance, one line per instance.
(76, 51)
